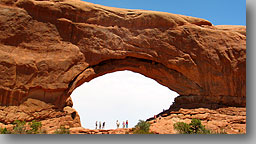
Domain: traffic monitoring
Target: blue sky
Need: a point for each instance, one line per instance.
(219, 12)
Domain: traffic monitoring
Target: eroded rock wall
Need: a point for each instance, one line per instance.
(32, 109)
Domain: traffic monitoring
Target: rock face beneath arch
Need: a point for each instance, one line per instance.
(50, 47)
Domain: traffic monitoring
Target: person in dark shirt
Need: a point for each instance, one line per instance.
(103, 125)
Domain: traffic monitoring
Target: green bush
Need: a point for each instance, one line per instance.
(182, 128)
(142, 127)
(4, 131)
(62, 130)
(21, 127)
(222, 131)
(35, 128)
(195, 127)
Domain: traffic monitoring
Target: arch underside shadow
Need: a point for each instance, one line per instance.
(167, 77)
(191, 95)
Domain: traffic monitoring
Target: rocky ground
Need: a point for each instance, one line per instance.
(231, 120)
(80, 130)
(50, 117)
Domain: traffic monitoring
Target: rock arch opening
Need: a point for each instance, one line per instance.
(47, 57)
(121, 95)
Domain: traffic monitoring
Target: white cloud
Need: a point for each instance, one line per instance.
(120, 96)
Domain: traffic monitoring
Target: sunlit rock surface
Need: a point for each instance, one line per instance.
(50, 47)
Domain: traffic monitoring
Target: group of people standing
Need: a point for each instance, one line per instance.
(100, 126)
(125, 124)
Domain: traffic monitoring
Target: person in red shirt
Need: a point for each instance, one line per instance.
(126, 123)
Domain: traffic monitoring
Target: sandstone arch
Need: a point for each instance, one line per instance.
(50, 47)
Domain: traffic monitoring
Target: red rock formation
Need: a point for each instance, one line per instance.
(32, 109)
(50, 47)
(230, 120)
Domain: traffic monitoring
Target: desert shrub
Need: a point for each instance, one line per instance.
(222, 131)
(21, 127)
(62, 130)
(142, 127)
(35, 128)
(195, 127)
(182, 128)
(4, 131)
